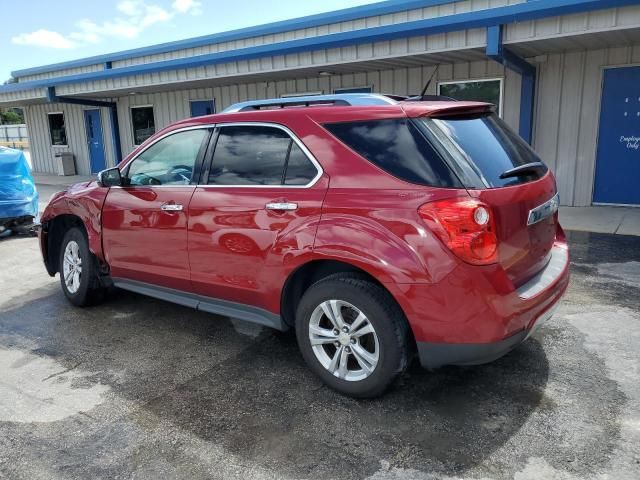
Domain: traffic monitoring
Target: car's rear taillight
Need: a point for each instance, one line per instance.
(466, 226)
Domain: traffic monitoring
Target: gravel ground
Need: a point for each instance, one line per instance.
(142, 389)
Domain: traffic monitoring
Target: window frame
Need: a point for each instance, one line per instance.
(204, 178)
(212, 100)
(313, 93)
(64, 122)
(478, 80)
(133, 130)
(347, 90)
(201, 159)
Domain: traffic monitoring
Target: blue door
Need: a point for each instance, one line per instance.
(618, 158)
(94, 140)
(202, 107)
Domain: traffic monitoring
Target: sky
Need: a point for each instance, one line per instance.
(40, 32)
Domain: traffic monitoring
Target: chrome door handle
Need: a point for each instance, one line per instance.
(171, 207)
(281, 206)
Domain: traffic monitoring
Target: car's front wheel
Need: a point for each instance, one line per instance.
(79, 269)
(352, 334)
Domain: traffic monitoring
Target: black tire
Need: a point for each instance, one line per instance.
(383, 313)
(90, 290)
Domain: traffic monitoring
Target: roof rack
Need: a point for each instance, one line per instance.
(340, 99)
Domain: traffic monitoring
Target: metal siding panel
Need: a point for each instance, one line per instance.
(548, 109)
(587, 139)
(511, 99)
(569, 125)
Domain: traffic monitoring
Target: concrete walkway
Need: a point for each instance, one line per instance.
(618, 220)
(60, 180)
(614, 220)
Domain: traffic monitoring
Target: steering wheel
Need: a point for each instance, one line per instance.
(183, 172)
(144, 179)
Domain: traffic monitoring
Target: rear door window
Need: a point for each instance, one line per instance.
(248, 155)
(484, 147)
(398, 147)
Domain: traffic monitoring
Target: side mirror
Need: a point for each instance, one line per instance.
(110, 178)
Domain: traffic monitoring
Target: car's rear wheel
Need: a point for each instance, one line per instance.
(79, 269)
(352, 334)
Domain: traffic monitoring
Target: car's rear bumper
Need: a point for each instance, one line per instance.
(434, 355)
(476, 315)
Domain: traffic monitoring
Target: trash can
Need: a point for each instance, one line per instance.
(65, 163)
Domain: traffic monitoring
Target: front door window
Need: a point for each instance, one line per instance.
(170, 161)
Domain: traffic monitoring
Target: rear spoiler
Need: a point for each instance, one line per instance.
(445, 109)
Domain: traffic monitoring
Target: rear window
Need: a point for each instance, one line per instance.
(398, 147)
(480, 148)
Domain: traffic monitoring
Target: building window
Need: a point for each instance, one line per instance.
(143, 123)
(353, 90)
(57, 129)
(200, 108)
(489, 91)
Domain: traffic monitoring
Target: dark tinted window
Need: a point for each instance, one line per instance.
(248, 155)
(485, 144)
(57, 129)
(398, 147)
(256, 155)
(300, 170)
(143, 123)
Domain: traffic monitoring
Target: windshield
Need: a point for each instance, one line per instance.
(482, 147)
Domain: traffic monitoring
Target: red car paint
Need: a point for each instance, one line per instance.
(224, 244)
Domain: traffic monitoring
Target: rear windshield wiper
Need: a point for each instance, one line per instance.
(526, 169)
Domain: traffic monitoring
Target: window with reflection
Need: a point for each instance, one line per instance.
(258, 155)
(399, 148)
(143, 122)
(57, 129)
(169, 161)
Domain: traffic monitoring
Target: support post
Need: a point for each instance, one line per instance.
(498, 52)
(52, 97)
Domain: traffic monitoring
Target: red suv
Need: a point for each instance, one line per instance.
(376, 228)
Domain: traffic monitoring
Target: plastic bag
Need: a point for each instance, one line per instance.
(18, 194)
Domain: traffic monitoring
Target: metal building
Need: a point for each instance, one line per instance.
(564, 73)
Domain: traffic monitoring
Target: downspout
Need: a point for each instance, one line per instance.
(504, 56)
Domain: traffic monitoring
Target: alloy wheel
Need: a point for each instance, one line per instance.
(344, 340)
(72, 267)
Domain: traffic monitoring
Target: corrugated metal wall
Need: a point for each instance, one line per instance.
(566, 124)
(172, 106)
(367, 22)
(567, 116)
(43, 153)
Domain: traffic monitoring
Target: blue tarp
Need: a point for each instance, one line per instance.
(18, 194)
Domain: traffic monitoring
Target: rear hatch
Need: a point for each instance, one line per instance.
(498, 167)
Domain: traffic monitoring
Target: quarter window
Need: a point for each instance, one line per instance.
(57, 129)
(300, 171)
(169, 161)
(258, 155)
(399, 148)
(144, 125)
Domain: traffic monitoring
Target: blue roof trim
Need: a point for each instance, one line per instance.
(353, 13)
(477, 19)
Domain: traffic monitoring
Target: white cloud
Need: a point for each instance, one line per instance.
(129, 7)
(43, 38)
(194, 7)
(135, 16)
(154, 14)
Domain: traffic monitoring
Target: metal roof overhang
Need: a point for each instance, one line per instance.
(482, 18)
